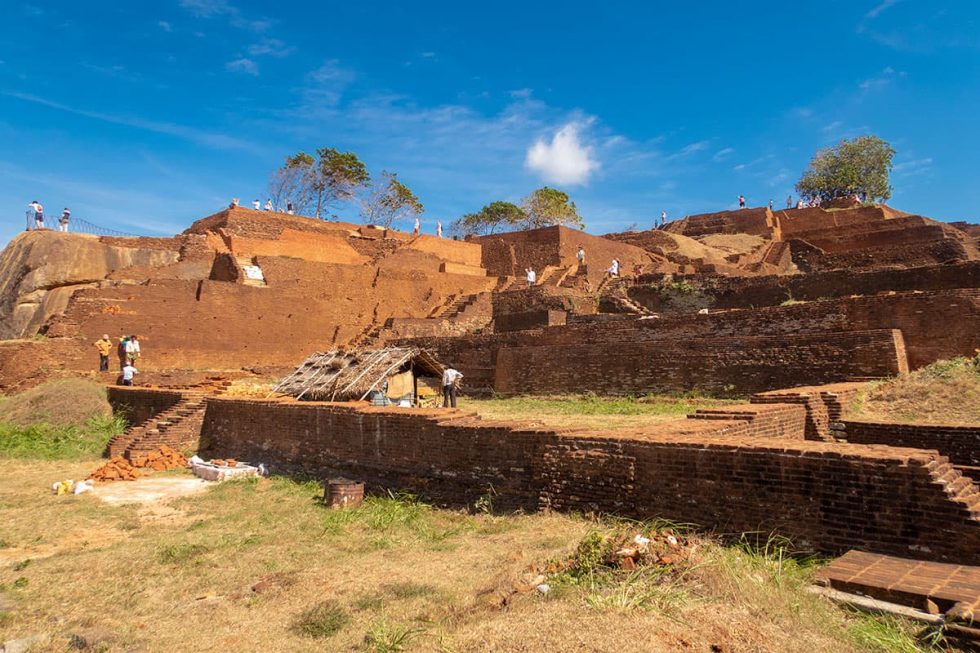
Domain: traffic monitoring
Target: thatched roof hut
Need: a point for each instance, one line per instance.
(353, 375)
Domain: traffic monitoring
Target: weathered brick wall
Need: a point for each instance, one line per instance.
(827, 497)
(961, 444)
(935, 325)
(824, 405)
(753, 292)
(140, 404)
(722, 366)
(529, 320)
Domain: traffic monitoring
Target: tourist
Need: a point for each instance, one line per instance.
(104, 346)
(450, 383)
(799, 203)
(614, 268)
(268, 205)
(741, 201)
(637, 270)
(415, 229)
(289, 208)
(438, 229)
(770, 205)
(257, 205)
(234, 203)
(63, 220)
(121, 350)
(789, 201)
(532, 276)
(38, 215)
(33, 210)
(580, 255)
(128, 372)
(132, 349)
(663, 219)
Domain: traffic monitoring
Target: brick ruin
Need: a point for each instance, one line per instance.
(791, 308)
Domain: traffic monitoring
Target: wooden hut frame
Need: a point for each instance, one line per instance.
(352, 375)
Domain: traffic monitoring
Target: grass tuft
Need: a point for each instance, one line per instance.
(322, 621)
(178, 554)
(386, 637)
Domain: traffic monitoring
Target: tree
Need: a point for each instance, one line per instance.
(314, 185)
(487, 220)
(388, 200)
(549, 206)
(859, 166)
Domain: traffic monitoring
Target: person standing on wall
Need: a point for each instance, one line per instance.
(580, 256)
(450, 384)
(33, 210)
(789, 201)
(415, 229)
(257, 205)
(104, 346)
(268, 204)
(614, 268)
(741, 201)
(663, 219)
(532, 276)
(438, 229)
(64, 220)
(289, 208)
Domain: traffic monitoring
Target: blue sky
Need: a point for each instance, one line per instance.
(145, 116)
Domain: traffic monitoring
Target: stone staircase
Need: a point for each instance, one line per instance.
(178, 427)
(248, 260)
(959, 488)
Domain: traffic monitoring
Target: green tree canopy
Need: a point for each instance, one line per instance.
(493, 216)
(549, 206)
(315, 184)
(858, 166)
(387, 200)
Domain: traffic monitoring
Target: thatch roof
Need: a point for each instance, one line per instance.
(350, 375)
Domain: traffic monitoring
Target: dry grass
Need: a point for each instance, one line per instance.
(393, 575)
(592, 412)
(946, 392)
(58, 403)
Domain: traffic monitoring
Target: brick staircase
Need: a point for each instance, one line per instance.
(178, 427)
(959, 488)
(248, 260)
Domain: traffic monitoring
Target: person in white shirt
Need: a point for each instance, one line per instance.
(38, 215)
(128, 372)
(257, 205)
(289, 208)
(32, 210)
(450, 382)
(614, 268)
(132, 349)
(532, 277)
(663, 219)
(268, 205)
(418, 225)
(438, 229)
(63, 220)
(580, 255)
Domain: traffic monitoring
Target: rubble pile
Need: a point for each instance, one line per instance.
(163, 459)
(116, 468)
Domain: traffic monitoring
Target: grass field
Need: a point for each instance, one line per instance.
(590, 411)
(260, 565)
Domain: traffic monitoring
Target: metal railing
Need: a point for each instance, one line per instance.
(77, 225)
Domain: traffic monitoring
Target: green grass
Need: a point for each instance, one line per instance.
(322, 621)
(48, 442)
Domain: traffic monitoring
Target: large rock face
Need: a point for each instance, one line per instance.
(40, 270)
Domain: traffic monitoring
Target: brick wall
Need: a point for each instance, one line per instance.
(751, 292)
(961, 444)
(140, 404)
(722, 366)
(827, 497)
(529, 320)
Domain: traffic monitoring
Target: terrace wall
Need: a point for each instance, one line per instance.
(961, 444)
(825, 497)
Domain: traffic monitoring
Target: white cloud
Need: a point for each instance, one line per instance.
(199, 136)
(882, 6)
(271, 47)
(216, 8)
(242, 65)
(165, 26)
(913, 167)
(564, 160)
(723, 154)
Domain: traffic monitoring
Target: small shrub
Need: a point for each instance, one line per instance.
(181, 553)
(591, 553)
(390, 638)
(322, 621)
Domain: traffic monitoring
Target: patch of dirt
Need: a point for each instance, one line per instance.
(733, 243)
(87, 538)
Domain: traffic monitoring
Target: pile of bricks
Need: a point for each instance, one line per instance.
(116, 468)
(163, 459)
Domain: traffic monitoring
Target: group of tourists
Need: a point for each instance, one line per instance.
(35, 217)
(128, 350)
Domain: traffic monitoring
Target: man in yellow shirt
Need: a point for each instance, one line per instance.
(105, 347)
